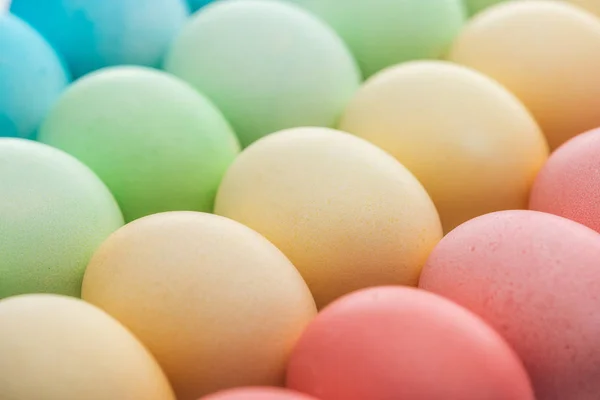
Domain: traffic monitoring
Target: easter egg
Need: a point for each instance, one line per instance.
(31, 77)
(535, 278)
(55, 347)
(402, 343)
(216, 303)
(545, 52)
(569, 185)
(267, 65)
(258, 393)
(197, 4)
(382, 33)
(345, 213)
(157, 143)
(95, 34)
(54, 213)
(474, 156)
(476, 6)
(590, 5)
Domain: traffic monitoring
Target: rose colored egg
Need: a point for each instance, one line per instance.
(258, 393)
(403, 343)
(535, 277)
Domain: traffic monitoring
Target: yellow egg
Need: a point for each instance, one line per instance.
(60, 348)
(472, 144)
(547, 53)
(345, 212)
(216, 303)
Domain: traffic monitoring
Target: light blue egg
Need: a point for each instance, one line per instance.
(197, 4)
(92, 34)
(31, 78)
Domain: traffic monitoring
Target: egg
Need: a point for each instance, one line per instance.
(215, 302)
(96, 34)
(402, 343)
(590, 5)
(345, 213)
(197, 4)
(157, 143)
(54, 213)
(535, 278)
(31, 77)
(267, 65)
(474, 156)
(55, 347)
(547, 53)
(258, 393)
(382, 33)
(476, 6)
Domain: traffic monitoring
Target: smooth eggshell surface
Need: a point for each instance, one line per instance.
(545, 52)
(216, 303)
(402, 343)
(258, 393)
(54, 213)
(534, 277)
(54, 347)
(347, 214)
(474, 156)
(267, 65)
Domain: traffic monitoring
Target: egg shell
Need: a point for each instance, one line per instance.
(95, 34)
(474, 156)
(534, 277)
(547, 53)
(216, 303)
(31, 77)
(54, 213)
(55, 347)
(589, 5)
(403, 343)
(345, 213)
(266, 64)
(258, 393)
(157, 143)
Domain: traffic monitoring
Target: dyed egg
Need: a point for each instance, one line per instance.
(382, 33)
(31, 77)
(96, 34)
(545, 52)
(590, 5)
(534, 277)
(54, 213)
(216, 303)
(345, 213)
(198, 4)
(157, 143)
(474, 156)
(267, 65)
(569, 184)
(55, 347)
(402, 343)
(258, 393)
(476, 6)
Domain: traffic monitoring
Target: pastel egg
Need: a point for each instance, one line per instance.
(216, 303)
(474, 156)
(267, 65)
(157, 143)
(54, 347)
(382, 33)
(547, 53)
(590, 5)
(403, 343)
(258, 393)
(96, 34)
(535, 278)
(345, 213)
(54, 213)
(31, 77)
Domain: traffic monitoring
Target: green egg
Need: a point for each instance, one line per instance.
(157, 143)
(54, 213)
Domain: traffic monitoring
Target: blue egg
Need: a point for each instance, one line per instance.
(92, 34)
(31, 78)
(197, 4)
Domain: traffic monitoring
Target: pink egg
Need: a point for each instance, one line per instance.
(535, 277)
(569, 183)
(404, 344)
(258, 393)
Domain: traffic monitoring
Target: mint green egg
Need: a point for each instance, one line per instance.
(54, 213)
(157, 143)
(382, 33)
(476, 6)
(267, 65)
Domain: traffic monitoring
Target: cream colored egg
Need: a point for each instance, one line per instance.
(473, 145)
(216, 303)
(60, 348)
(345, 212)
(547, 53)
